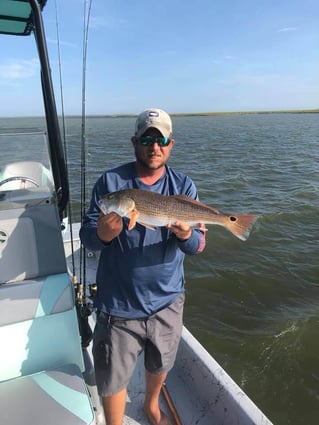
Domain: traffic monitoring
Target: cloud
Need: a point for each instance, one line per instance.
(62, 43)
(287, 29)
(170, 52)
(99, 22)
(19, 69)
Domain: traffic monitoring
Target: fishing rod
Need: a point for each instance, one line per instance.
(64, 139)
(83, 306)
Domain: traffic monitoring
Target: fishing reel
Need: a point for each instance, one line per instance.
(84, 308)
(92, 290)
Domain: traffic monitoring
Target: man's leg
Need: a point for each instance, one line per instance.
(114, 407)
(163, 331)
(116, 345)
(151, 404)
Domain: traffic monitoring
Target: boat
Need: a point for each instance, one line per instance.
(47, 374)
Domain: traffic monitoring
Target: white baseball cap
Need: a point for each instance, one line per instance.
(154, 118)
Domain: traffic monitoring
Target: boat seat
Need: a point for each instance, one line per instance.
(60, 391)
(31, 243)
(41, 357)
(38, 326)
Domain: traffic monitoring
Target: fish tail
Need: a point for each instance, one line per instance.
(241, 225)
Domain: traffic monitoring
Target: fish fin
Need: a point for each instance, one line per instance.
(182, 197)
(148, 226)
(189, 200)
(133, 219)
(201, 226)
(241, 225)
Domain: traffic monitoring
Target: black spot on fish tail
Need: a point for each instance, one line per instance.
(241, 225)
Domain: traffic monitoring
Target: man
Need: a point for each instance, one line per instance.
(140, 278)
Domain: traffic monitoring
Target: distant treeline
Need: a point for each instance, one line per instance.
(205, 114)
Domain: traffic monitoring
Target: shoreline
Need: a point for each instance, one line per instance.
(185, 114)
(205, 114)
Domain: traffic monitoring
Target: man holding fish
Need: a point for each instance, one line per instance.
(144, 217)
(140, 278)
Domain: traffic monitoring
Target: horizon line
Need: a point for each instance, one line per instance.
(176, 114)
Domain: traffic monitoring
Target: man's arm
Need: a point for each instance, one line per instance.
(109, 227)
(99, 229)
(190, 240)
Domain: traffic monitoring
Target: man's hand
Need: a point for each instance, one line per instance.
(109, 226)
(181, 230)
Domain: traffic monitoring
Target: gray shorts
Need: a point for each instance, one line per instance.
(117, 342)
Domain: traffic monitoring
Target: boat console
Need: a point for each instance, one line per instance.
(30, 230)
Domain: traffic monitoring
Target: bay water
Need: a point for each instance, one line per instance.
(254, 305)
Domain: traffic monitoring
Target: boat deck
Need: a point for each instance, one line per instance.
(189, 408)
(190, 411)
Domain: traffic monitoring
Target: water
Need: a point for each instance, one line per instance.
(254, 305)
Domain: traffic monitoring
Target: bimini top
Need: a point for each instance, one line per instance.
(16, 16)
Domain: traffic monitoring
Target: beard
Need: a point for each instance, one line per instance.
(150, 161)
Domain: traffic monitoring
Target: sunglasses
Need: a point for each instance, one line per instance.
(149, 140)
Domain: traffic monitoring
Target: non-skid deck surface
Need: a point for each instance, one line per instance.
(134, 413)
(188, 407)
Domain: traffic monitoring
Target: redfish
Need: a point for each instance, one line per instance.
(152, 209)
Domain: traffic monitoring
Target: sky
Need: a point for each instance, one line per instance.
(178, 55)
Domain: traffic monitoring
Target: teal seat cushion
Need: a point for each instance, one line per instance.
(39, 326)
(30, 299)
(57, 396)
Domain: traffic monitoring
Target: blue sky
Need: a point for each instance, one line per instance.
(179, 55)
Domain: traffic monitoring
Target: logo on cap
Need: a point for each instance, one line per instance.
(3, 237)
(153, 114)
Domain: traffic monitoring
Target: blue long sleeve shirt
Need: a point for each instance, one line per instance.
(141, 270)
